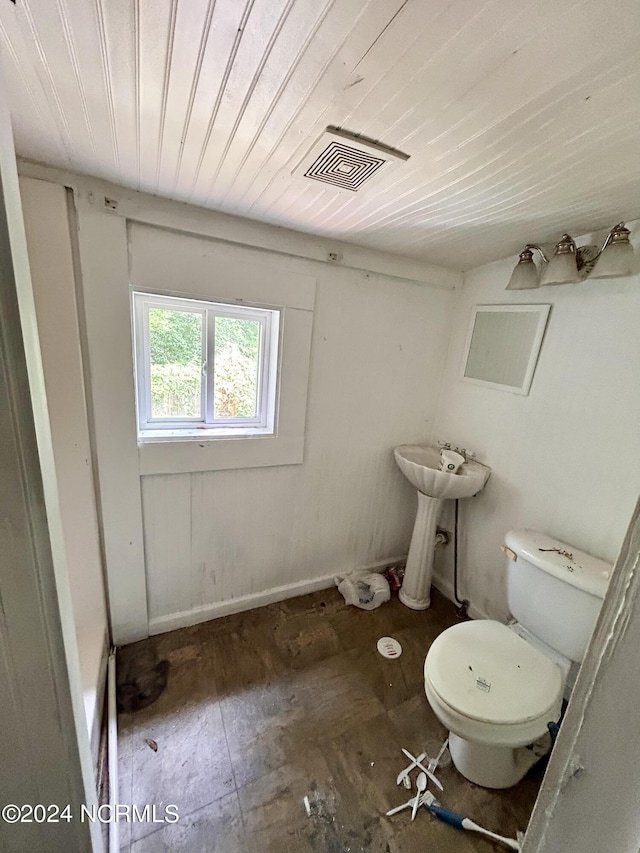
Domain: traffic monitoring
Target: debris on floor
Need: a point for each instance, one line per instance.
(408, 805)
(366, 590)
(426, 798)
(151, 744)
(432, 805)
(395, 576)
(403, 776)
(317, 804)
(251, 727)
(141, 677)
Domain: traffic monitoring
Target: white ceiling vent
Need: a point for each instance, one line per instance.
(346, 161)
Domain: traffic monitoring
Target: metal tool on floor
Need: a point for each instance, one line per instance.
(432, 805)
(403, 777)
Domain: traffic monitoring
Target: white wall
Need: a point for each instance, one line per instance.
(216, 541)
(44, 745)
(50, 258)
(566, 458)
(385, 368)
(377, 352)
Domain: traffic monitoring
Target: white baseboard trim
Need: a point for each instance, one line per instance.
(112, 750)
(446, 588)
(101, 692)
(205, 612)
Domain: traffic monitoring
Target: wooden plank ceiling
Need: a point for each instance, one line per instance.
(521, 119)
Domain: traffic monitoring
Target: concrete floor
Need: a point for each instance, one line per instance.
(292, 700)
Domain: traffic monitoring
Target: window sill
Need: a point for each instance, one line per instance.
(146, 436)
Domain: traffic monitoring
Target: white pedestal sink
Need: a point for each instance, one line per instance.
(421, 466)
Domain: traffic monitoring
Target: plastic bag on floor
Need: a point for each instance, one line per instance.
(366, 590)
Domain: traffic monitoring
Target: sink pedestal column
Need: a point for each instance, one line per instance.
(416, 586)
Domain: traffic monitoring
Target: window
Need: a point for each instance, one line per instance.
(204, 366)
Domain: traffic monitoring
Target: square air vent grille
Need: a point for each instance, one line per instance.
(344, 166)
(346, 161)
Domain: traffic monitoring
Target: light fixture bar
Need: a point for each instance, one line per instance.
(571, 263)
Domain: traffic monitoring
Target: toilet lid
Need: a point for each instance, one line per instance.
(486, 672)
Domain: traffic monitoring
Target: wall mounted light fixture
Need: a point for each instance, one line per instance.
(571, 263)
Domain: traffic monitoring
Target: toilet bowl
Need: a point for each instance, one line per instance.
(496, 694)
(497, 687)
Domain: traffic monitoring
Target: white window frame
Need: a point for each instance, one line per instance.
(206, 424)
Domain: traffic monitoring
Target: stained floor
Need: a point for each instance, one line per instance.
(292, 700)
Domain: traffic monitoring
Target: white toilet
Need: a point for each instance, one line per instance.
(496, 687)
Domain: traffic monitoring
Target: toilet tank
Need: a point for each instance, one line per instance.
(554, 590)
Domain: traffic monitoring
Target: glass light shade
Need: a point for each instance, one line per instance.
(525, 273)
(616, 260)
(523, 277)
(562, 268)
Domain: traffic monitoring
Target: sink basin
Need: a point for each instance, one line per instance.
(421, 466)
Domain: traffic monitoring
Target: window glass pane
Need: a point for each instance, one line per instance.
(236, 363)
(175, 352)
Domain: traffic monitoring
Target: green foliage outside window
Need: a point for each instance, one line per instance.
(175, 346)
(175, 343)
(175, 337)
(236, 362)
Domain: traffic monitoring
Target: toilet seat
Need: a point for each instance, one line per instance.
(489, 685)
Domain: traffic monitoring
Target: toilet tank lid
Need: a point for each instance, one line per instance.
(565, 562)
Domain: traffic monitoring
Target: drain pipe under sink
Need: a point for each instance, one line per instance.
(462, 611)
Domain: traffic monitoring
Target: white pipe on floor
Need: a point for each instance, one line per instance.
(112, 732)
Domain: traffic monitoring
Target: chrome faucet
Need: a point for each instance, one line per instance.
(467, 454)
